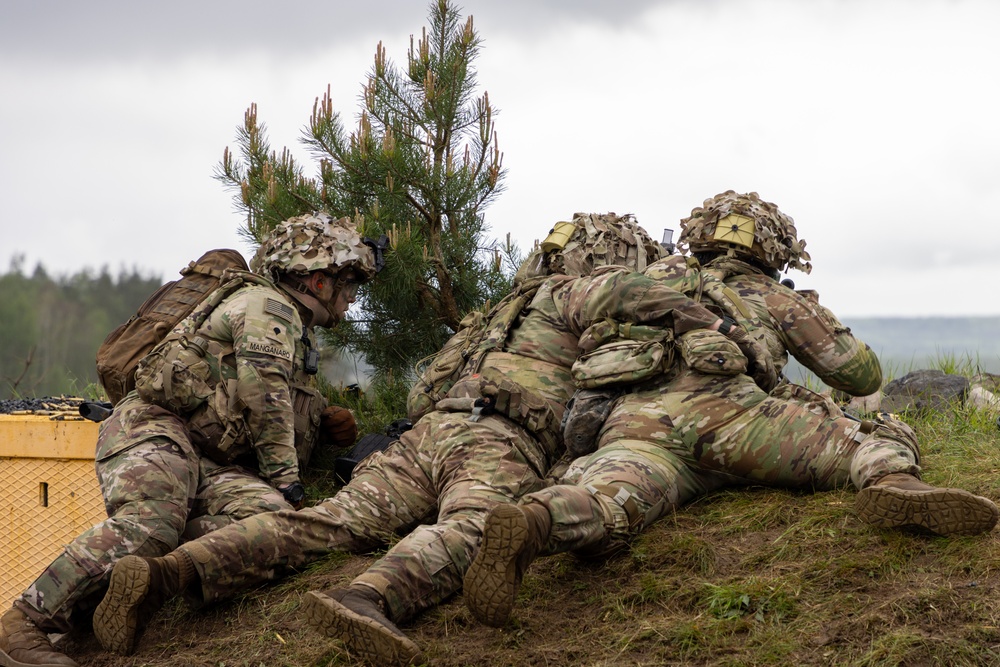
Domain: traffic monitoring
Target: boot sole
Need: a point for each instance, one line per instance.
(942, 511)
(116, 619)
(362, 635)
(491, 583)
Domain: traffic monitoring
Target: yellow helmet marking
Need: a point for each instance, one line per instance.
(735, 228)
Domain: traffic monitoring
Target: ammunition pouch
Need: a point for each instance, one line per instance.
(308, 405)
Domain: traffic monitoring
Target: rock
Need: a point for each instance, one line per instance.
(924, 390)
(984, 391)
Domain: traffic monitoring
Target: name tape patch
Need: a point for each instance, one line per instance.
(272, 350)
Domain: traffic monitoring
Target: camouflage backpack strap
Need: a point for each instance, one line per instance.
(713, 286)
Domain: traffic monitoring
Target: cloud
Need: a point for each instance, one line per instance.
(107, 29)
(871, 123)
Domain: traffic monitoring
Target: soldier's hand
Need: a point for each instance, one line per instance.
(338, 426)
(760, 366)
(294, 493)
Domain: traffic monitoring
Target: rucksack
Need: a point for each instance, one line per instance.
(121, 351)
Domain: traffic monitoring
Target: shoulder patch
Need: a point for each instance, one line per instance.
(278, 309)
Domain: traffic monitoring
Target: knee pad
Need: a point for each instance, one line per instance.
(623, 499)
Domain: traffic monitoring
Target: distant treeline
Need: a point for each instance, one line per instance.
(51, 326)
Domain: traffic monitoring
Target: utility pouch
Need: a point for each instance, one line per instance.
(217, 429)
(175, 374)
(307, 404)
(712, 353)
(621, 353)
(620, 362)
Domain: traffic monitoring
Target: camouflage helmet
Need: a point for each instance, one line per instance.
(591, 240)
(314, 242)
(744, 225)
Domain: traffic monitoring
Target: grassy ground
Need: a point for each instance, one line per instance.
(743, 577)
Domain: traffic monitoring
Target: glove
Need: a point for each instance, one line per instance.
(294, 493)
(338, 426)
(760, 366)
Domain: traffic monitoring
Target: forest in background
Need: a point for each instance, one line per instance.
(51, 326)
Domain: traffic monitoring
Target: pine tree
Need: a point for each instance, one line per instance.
(420, 166)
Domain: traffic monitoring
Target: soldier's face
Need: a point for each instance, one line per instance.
(347, 295)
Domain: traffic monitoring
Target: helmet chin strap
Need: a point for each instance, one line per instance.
(320, 314)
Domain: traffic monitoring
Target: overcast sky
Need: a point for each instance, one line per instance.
(872, 123)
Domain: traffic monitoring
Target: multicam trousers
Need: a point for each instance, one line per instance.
(438, 481)
(157, 491)
(661, 448)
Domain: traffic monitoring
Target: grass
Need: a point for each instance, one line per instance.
(742, 578)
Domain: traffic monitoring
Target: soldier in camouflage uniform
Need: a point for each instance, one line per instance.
(491, 440)
(699, 429)
(223, 414)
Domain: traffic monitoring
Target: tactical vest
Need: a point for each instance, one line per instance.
(463, 354)
(194, 375)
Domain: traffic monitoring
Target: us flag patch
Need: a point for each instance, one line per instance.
(275, 307)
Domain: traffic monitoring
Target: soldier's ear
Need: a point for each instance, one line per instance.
(318, 281)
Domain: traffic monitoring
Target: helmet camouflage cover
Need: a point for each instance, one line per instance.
(745, 225)
(314, 242)
(591, 240)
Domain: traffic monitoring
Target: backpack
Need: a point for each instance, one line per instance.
(121, 351)
(477, 334)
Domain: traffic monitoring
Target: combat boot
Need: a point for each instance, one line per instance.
(900, 499)
(512, 538)
(356, 616)
(22, 644)
(139, 587)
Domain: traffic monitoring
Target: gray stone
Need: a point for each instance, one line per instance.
(924, 390)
